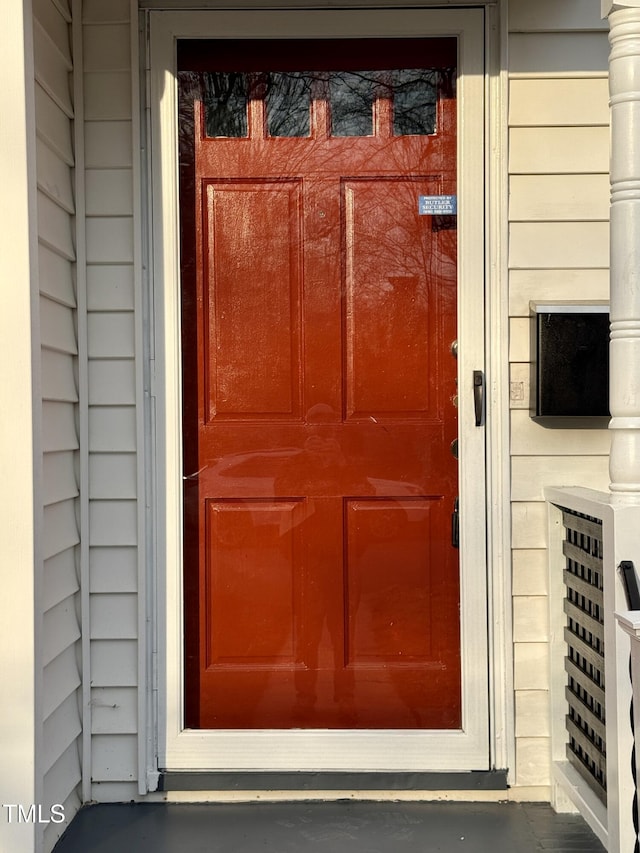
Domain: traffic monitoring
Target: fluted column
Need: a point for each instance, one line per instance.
(624, 87)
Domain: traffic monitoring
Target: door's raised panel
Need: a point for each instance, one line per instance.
(253, 282)
(252, 554)
(389, 580)
(391, 299)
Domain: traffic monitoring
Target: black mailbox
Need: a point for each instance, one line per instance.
(571, 361)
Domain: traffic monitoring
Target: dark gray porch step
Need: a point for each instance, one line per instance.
(327, 827)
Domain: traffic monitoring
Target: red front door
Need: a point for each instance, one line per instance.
(319, 312)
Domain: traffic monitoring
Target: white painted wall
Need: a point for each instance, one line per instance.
(558, 250)
(19, 435)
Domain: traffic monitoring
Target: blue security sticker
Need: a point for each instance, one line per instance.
(437, 205)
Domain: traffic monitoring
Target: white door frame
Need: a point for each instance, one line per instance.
(181, 749)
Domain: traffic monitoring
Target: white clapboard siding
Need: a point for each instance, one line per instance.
(558, 150)
(552, 102)
(108, 144)
(109, 240)
(55, 23)
(112, 382)
(107, 95)
(529, 438)
(59, 479)
(106, 48)
(53, 126)
(101, 13)
(531, 474)
(558, 251)
(520, 332)
(56, 277)
(113, 522)
(530, 770)
(532, 713)
(111, 333)
(57, 376)
(52, 69)
(61, 720)
(57, 327)
(60, 432)
(60, 579)
(558, 53)
(114, 616)
(114, 710)
(558, 198)
(552, 16)
(54, 176)
(112, 476)
(115, 758)
(559, 245)
(61, 728)
(530, 619)
(529, 525)
(528, 286)
(63, 777)
(55, 227)
(60, 626)
(114, 663)
(531, 666)
(110, 288)
(60, 529)
(60, 679)
(108, 422)
(109, 192)
(530, 572)
(114, 569)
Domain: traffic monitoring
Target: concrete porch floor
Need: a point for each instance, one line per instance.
(321, 827)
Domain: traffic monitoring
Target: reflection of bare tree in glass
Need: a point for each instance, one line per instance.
(414, 102)
(225, 95)
(351, 94)
(288, 102)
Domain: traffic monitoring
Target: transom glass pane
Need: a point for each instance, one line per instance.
(287, 96)
(351, 95)
(414, 95)
(225, 96)
(288, 101)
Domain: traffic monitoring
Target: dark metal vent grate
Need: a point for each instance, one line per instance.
(584, 661)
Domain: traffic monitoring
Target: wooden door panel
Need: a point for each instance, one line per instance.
(253, 281)
(251, 552)
(389, 572)
(393, 295)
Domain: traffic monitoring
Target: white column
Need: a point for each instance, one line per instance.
(18, 784)
(624, 69)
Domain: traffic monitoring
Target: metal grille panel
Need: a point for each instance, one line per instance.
(584, 661)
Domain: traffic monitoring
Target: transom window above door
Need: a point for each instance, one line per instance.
(242, 100)
(353, 98)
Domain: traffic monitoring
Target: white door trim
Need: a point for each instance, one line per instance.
(468, 748)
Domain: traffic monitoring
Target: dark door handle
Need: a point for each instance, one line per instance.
(455, 524)
(478, 396)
